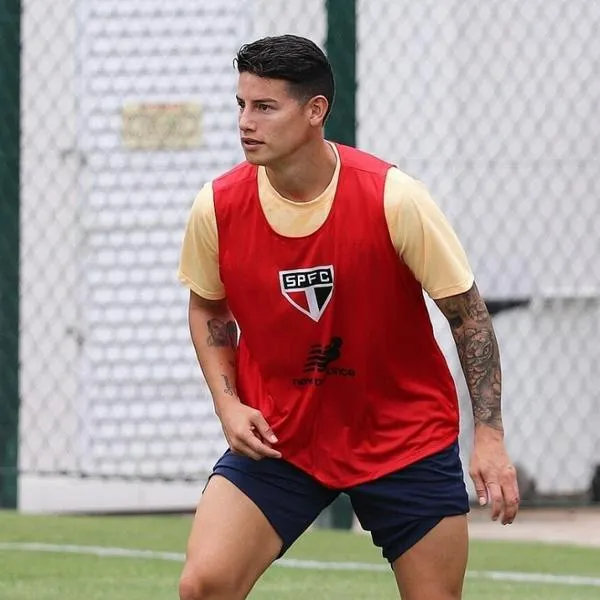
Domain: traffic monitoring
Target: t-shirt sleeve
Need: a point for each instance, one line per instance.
(199, 259)
(424, 238)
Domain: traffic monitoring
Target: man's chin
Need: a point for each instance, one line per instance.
(256, 155)
(255, 160)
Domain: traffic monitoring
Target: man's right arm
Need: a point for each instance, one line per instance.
(214, 331)
(214, 335)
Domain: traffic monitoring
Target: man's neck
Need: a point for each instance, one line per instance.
(305, 175)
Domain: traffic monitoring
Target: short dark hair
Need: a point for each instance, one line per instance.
(294, 59)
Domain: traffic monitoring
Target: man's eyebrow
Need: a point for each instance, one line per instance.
(257, 100)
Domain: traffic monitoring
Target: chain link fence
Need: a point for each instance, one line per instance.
(127, 108)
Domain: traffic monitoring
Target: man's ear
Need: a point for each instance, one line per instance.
(317, 108)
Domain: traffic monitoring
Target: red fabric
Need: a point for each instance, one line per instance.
(360, 388)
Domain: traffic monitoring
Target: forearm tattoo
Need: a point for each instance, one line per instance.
(477, 347)
(228, 389)
(222, 333)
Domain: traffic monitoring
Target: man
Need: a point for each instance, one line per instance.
(320, 253)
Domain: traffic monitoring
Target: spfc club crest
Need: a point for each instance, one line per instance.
(308, 290)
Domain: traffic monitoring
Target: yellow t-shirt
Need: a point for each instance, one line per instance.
(419, 231)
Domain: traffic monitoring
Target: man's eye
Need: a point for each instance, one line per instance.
(263, 107)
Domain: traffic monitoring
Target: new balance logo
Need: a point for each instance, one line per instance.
(319, 356)
(308, 290)
(318, 363)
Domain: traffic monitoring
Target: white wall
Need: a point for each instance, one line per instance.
(124, 396)
(147, 410)
(493, 105)
(278, 17)
(50, 238)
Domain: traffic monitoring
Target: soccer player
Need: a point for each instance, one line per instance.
(320, 254)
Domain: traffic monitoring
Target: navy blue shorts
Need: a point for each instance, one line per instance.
(397, 509)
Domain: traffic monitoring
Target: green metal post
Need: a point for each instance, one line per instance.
(10, 142)
(341, 127)
(341, 51)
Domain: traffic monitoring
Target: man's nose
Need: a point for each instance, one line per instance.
(246, 123)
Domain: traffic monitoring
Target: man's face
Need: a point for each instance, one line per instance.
(273, 124)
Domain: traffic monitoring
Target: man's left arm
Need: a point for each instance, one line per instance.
(429, 247)
(491, 470)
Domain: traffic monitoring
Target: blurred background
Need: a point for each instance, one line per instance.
(113, 113)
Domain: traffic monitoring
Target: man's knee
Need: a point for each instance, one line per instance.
(205, 583)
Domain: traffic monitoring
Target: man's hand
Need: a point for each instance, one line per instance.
(247, 432)
(494, 476)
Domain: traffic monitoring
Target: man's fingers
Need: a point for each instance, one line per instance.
(256, 450)
(496, 500)
(263, 428)
(257, 446)
(480, 488)
(510, 512)
(244, 450)
(510, 491)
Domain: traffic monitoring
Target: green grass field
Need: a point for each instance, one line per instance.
(61, 570)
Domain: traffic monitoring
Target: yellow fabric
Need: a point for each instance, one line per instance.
(419, 231)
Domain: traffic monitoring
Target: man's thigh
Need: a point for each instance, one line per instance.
(434, 567)
(249, 514)
(288, 498)
(401, 508)
(229, 546)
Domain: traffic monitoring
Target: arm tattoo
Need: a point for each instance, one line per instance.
(222, 333)
(228, 389)
(477, 347)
